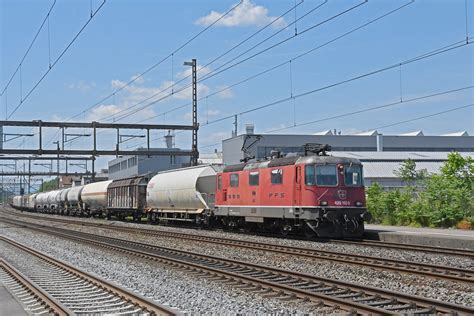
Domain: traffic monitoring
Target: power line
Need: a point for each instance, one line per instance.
(202, 67)
(285, 62)
(135, 78)
(378, 107)
(432, 53)
(56, 60)
(425, 116)
(29, 48)
(215, 72)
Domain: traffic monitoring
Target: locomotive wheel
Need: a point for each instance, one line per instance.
(309, 233)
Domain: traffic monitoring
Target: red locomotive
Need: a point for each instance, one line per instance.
(318, 194)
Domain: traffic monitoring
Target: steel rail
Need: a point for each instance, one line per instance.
(52, 305)
(145, 304)
(428, 270)
(348, 296)
(425, 248)
(360, 242)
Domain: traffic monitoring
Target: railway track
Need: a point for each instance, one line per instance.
(428, 270)
(77, 292)
(267, 281)
(363, 242)
(412, 247)
(33, 299)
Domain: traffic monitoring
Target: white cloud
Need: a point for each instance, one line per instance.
(245, 14)
(82, 85)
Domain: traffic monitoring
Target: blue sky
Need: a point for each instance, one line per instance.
(126, 37)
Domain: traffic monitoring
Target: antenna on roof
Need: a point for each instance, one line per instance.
(318, 149)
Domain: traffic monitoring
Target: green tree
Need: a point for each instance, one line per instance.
(437, 200)
(48, 185)
(408, 173)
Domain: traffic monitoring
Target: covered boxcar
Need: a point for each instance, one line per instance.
(186, 194)
(94, 197)
(127, 197)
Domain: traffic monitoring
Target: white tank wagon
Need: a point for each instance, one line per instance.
(94, 197)
(41, 200)
(186, 194)
(62, 201)
(73, 200)
(16, 202)
(32, 202)
(51, 200)
(23, 201)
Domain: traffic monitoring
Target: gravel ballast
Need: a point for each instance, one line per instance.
(458, 293)
(188, 293)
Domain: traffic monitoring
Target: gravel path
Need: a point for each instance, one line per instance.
(188, 293)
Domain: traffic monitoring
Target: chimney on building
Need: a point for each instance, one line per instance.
(249, 129)
(379, 142)
(169, 140)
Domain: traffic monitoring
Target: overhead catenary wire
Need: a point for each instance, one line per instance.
(429, 54)
(172, 85)
(135, 78)
(46, 19)
(278, 65)
(373, 108)
(216, 71)
(424, 116)
(22, 100)
(353, 30)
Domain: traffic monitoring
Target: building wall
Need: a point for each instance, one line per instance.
(294, 143)
(130, 166)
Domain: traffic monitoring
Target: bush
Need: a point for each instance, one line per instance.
(445, 199)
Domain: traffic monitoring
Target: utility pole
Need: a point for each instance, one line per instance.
(57, 169)
(195, 152)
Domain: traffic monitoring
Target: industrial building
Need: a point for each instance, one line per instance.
(380, 154)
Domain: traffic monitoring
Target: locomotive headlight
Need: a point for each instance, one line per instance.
(323, 203)
(359, 203)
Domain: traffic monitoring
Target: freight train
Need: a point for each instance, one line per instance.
(312, 193)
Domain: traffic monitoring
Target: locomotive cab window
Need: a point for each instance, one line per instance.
(253, 178)
(277, 176)
(234, 180)
(353, 175)
(326, 175)
(219, 182)
(309, 175)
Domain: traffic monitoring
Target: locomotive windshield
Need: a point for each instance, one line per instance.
(321, 175)
(353, 175)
